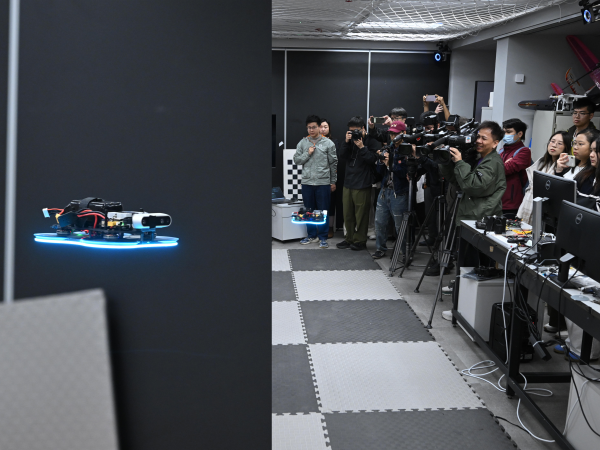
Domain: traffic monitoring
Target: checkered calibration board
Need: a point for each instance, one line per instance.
(355, 368)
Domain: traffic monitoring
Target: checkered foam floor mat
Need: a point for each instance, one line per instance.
(354, 367)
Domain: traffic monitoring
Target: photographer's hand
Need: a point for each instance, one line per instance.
(561, 163)
(348, 136)
(439, 99)
(414, 151)
(388, 121)
(359, 143)
(439, 109)
(371, 124)
(456, 156)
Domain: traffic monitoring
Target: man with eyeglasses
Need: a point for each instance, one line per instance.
(318, 158)
(583, 113)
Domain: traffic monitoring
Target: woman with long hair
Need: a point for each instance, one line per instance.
(583, 172)
(559, 143)
(336, 200)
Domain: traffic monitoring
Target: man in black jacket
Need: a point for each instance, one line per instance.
(360, 162)
(583, 113)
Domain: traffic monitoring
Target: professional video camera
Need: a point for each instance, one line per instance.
(463, 139)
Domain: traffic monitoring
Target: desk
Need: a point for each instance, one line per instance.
(282, 227)
(584, 314)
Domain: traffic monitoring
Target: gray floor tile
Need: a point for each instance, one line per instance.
(292, 381)
(388, 376)
(332, 259)
(282, 287)
(344, 285)
(410, 430)
(286, 326)
(280, 260)
(362, 321)
(299, 432)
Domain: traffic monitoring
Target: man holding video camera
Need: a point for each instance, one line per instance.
(482, 180)
(393, 198)
(360, 162)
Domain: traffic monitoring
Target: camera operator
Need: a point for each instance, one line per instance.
(356, 194)
(440, 108)
(481, 180)
(433, 186)
(392, 201)
(396, 115)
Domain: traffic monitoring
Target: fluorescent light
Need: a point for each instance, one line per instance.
(398, 25)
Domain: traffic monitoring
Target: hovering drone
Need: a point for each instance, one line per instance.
(95, 222)
(309, 217)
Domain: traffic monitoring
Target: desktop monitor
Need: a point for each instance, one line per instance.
(578, 229)
(555, 190)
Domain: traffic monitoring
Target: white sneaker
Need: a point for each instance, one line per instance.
(372, 237)
(447, 290)
(447, 315)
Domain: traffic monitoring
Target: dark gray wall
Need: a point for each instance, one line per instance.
(329, 84)
(132, 101)
(401, 80)
(277, 107)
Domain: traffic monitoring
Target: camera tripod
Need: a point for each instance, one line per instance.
(409, 219)
(448, 237)
(439, 206)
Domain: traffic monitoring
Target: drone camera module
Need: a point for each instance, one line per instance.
(95, 222)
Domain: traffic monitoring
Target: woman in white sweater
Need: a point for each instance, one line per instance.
(560, 142)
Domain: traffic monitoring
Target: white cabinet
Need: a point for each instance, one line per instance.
(282, 227)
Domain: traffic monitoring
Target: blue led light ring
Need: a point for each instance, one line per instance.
(438, 57)
(162, 241)
(306, 222)
(587, 16)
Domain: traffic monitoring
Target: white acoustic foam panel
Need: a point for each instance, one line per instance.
(388, 376)
(286, 325)
(280, 261)
(344, 285)
(55, 378)
(299, 432)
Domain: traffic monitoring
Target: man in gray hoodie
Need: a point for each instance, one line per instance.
(318, 158)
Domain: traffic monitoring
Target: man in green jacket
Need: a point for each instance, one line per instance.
(482, 181)
(318, 158)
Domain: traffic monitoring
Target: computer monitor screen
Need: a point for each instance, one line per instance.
(577, 234)
(276, 193)
(555, 189)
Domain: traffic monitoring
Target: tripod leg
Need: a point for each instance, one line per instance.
(426, 269)
(398, 244)
(445, 257)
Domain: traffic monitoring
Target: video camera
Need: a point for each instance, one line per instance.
(463, 139)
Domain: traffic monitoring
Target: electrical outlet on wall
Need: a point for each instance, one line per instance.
(519, 78)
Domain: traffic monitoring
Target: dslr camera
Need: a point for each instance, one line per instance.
(357, 135)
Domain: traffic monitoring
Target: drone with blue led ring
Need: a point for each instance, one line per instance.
(94, 219)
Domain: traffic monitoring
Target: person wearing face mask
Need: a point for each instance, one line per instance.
(559, 143)
(516, 158)
(583, 172)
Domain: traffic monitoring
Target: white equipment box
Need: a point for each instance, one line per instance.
(577, 431)
(282, 227)
(475, 300)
